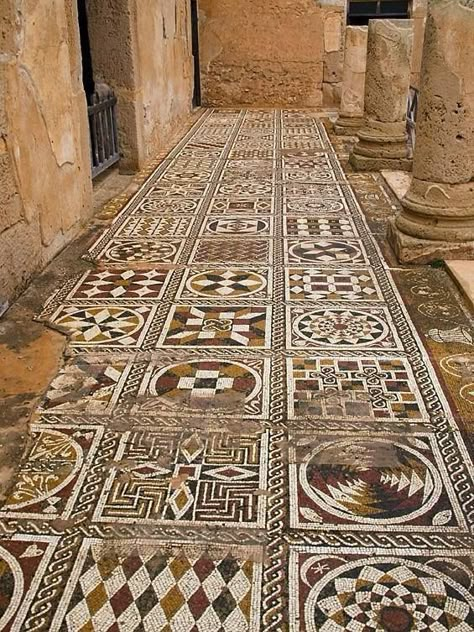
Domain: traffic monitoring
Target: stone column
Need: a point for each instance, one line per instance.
(351, 115)
(382, 140)
(437, 220)
(418, 15)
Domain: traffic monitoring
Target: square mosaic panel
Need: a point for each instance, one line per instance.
(237, 226)
(149, 226)
(377, 589)
(320, 205)
(139, 251)
(364, 389)
(323, 251)
(23, 561)
(213, 326)
(319, 174)
(227, 251)
(186, 476)
(257, 188)
(167, 206)
(376, 482)
(226, 283)
(177, 190)
(151, 585)
(312, 189)
(341, 328)
(320, 227)
(52, 472)
(242, 153)
(178, 173)
(103, 327)
(341, 284)
(124, 285)
(206, 386)
(87, 384)
(233, 205)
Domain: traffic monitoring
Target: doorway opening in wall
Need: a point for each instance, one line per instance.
(195, 51)
(359, 12)
(101, 106)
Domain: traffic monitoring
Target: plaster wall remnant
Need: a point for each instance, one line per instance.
(437, 219)
(382, 141)
(142, 50)
(45, 185)
(351, 116)
(280, 53)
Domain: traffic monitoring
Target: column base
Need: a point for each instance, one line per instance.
(348, 125)
(410, 249)
(371, 163)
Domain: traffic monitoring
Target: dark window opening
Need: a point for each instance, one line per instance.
(195, 50)
(359, 12)
(87, 71)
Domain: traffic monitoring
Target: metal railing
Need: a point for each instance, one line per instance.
(103, 130)
(412, 111)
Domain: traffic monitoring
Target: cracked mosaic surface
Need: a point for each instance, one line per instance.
(247, 432)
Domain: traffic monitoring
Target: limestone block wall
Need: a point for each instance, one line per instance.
(45, 188)
(261, 53)
(142, 49)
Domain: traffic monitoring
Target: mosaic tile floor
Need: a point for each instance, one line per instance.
(247, 433)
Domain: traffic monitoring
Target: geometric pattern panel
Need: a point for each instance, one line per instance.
(207, 326)
(260, 206)
(319, 227)
(137, 250)
(339, 328)
(356, 389)
(105, 326)
(121, 284)
(343, 284)
(338, 591)
(156, 227)
(189, 477)
(216, 386)
(393, 481)
(226, 283)
(232, 251)
(237, 226)
(145, 585)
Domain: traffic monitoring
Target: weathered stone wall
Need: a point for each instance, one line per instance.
(284, 52)
(45, 188)
(142, 49)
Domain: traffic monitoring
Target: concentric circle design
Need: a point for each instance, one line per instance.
(226, 283)
(388, 594)
(141, 250)
(370, 482)
(338, 327)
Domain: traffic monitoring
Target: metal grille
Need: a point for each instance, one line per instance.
(412, 111)
(103, 130)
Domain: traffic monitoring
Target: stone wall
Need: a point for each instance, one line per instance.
(260, 53)
(45, 188)
(142, 49)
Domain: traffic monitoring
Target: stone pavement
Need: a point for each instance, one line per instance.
(247, 432)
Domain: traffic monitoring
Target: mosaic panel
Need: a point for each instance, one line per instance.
(147, 251)
(226, 283)
(209, 326)
(156, 227)
(320, 227)
(237, 226)
(235, 251)
(354, 389)
(325, 252)
(247, 206)
(124, 285)
(342, 284)
(148, 585)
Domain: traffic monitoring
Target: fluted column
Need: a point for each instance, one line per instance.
(382, 140)
(351, 116)
(437, 220)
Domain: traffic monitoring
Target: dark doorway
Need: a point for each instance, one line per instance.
(87, 72)
(195, 49)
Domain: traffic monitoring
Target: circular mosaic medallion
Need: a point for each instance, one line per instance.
(388, 594)
(141, 250)
(237, 225)
(467, 392)
(101, 325)
(372, 482)
(223, 283)
(337, 327)
(324, 251)
(459, 365)
(189, 384)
